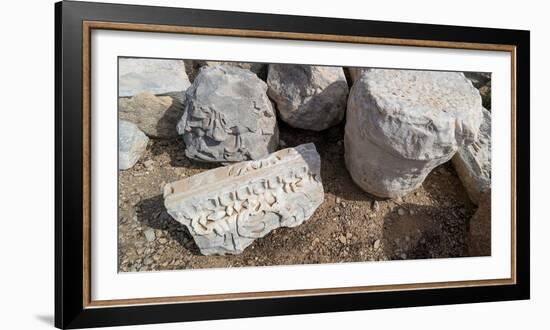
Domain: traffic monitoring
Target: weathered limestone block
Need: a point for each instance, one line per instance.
(156, 116)
(131, 144)
(308, 97)
(157, 76)
(228, 117)
(473, 162)
(479, 238)
(403, 123)
(227, 208)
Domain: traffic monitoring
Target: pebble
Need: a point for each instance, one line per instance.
(401, 211)
(375, 207)
(149, 163)
(342, 239)
(403, 256)
(376, 244)
(337, 209)
(411, 212)
(338, 200)
(149, 234)
(282, 143)
(349, 236)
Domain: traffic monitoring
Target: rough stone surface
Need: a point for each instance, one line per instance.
(355, 73)
(131, 144)
(308, 97)
(156, 116)
(194, 67)
(156, 76)
(228, 117)
(403, 123)
(479, 239)
(227, 208)
(473, 162)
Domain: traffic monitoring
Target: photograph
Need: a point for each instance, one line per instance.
(240, 164)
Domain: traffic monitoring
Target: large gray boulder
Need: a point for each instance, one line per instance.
(228, 117)
(403, 123)
(157, 116)
(157, 76)
(131, 144)
(473, 162)
(308, 97)
(227, 208)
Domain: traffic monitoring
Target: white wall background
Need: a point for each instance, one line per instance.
(27, 168)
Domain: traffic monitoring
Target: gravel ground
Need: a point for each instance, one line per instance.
(350, 226)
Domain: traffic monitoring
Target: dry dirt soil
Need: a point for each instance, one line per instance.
(350, 226)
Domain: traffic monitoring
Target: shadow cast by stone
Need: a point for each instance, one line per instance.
(152, 213)
(413, 231)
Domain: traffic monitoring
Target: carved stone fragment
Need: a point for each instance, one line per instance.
(228, 117)
(227, 208)
(402, 123)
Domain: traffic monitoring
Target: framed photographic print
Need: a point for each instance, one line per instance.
(218, 164)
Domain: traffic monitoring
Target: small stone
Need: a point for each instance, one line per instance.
(336, 209)
(131, 144)
(376, 244)
(342, 239)
(163, 240)
(375, 207)
(401, 212)
(282, 144)
(411, 212)
(403, 256)
(338, 200)
(147, 261)
(149, 234)
(349, 235)
(149, 163)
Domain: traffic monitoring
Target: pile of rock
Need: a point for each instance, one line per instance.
(400, 124)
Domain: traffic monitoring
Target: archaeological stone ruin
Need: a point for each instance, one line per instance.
(397, 126)
(227, 208)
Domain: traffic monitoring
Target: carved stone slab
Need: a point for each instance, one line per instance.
(227, 208)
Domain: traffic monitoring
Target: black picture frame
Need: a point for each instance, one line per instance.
(70, 309)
